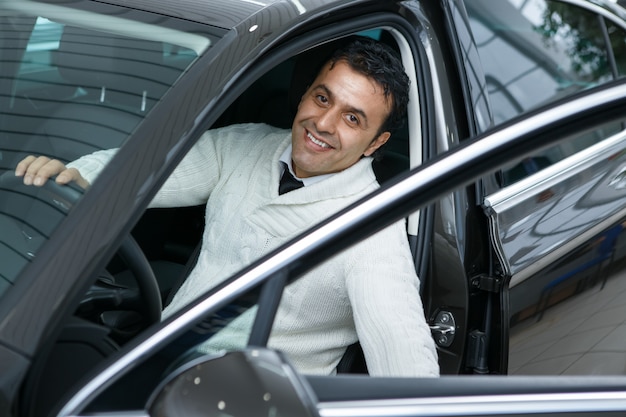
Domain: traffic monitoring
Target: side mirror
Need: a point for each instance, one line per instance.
(250, 383)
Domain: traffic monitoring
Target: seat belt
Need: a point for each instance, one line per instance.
(191, 263)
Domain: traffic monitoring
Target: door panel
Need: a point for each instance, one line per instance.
(558, 234)
(544, 215)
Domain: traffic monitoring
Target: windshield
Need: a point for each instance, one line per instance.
(74, 81)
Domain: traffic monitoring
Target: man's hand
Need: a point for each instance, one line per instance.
(37, 170)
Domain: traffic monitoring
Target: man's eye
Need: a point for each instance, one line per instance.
(322, 99)
(352, 119)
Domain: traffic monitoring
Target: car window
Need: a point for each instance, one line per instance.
(537, 162)
(268, 104)
(537, 52)
(72, 80)
(68, 89)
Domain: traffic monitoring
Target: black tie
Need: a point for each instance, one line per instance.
(288, 182)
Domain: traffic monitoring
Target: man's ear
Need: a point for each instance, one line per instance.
(377, 143)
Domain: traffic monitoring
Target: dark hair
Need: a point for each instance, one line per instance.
(379, 62)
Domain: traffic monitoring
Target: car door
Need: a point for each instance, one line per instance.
(555, 218)
(359, 395)
(143, 348)
(559, 237)
(402, 33)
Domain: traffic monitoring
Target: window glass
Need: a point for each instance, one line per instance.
(535, 52)
(74, 80)
(71, 83)
(617, 37)
(44, 39)
(259, 119)
(535, 163)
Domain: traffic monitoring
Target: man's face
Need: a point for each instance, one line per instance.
(338, 121)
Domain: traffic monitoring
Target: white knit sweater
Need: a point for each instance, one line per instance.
(368, 293)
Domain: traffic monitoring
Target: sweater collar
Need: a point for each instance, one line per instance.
(286, 158)
(351, 181)
(295, 211)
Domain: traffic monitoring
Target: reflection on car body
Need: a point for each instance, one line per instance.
(539, 207)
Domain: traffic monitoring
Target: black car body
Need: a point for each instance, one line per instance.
(514, 203)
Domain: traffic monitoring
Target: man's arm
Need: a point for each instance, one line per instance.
(387, 308)
(189, 184)
(186, 186)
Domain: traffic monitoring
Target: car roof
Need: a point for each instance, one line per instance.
(221, 13)
(228, 14)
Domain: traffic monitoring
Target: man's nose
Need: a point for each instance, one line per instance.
(327, 121)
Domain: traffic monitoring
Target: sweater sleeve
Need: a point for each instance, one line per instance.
(91, 165)
(198, 173)
(194, 178)
(218, 150)
(388, 314)
(190, 183)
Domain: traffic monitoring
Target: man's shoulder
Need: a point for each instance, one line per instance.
(244, 132)
(241, 139)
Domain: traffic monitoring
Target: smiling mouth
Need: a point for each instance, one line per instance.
(317, 141)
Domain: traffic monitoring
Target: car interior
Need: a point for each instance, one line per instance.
(171, 247)
(281, 88)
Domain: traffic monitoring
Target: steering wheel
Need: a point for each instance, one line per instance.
(53, 201)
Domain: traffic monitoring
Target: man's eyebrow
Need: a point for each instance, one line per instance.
(351, 109)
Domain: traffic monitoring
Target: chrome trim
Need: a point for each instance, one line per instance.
(529, 187)
(479, 405)
(548, 177)
(599, 9)
(496, 241)
(460, 167)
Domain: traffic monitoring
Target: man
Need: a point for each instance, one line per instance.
(367, 293)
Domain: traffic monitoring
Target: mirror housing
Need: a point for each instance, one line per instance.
(249, 383)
